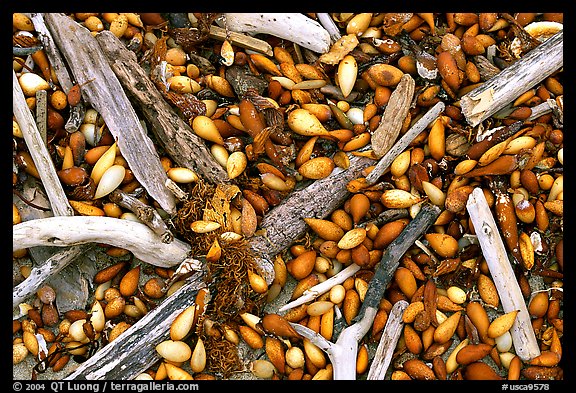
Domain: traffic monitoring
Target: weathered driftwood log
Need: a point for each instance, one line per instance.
(293, 27)
(388, 341)
(344, 351)
(105, 93)
(134, 236)
(42, 272)
(179, 140)
(76, 112)
(135, 350)
(493, 95)
(494, 252)
(284, 223)
(39, 152)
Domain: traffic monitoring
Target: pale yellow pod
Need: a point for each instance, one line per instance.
(456, 294)
(502, 324)
(219, 85)
(182, 324)
(110, 180)
(176, 373)
(359, 23)
(202, 226)
(400, 164)
(352, 238)
(295, 357)
(302, 122)
(309, 84)
(19, 352)
(556, 189)
(262, 368)
(347, 73)
(317, 168)
(119, 25)
(436, 195)
(183, 84)
(97, 318)
(174, 351)
(257, 282)
(315, 354)
(399, 199)
(198, 358)
(251, 320)
(464, 166)
(493, 153)
(518, 144)
(451, 363)
(32, 83)
(274, 182)
(319, 307)
(236, 164)
(182, 174)
(205, 128)
(446, 329)
(220, 153)
(103, 163)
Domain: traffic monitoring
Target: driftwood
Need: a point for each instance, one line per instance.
(493, 95)
(393, 117)
(294, 27)
(105, 93)
(494, 252)
(145, 213)
(76, 112)
(388, 341)
(39, 152)
(344, 351)
(41, 273)
(403, 142)
(284, 224)
(241, 40)
(134, 350)
(179, 140)
(134, 236)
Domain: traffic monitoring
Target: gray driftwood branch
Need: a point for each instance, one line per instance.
(105, 93)
(134, 350)
(178, 139)
(493, 95)
(134, 236)
(344, 351)
(494, 252)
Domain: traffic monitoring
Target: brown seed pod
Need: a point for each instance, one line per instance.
(472, 353)
(109, 272)
(279, 326)
(417, 369)
(480, 371)
(487, 290)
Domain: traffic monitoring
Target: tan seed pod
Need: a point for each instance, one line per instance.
(302, 122)
(456, 198)
(31, 342)
(276, 354)
(262, 368)
(406, 281)
(342, 219)
(236, 164)
(317, 168)
(412, 339)
(443, 244)
(183, 323)
(119, 25)
(418, 370)
(326, 229)
(352, 238)
(437, 139)
(251, 337)
(319, 307)
(19, 352)
(526, 250)
(248, 219)
(175, 373)
(115, 307)
(205, 128)
(182, 175)
(347, 73)
(350, 305)
(202, 226)
(502, 324)
(409, 314)
(301, 266)
(129, 282)
(446, 329)
(257, 282)
(538, 305)
(198, 357)
(487, 290)
(384, 74)
(314, 354)
(174, 351)
(435, 194)
(399, 199)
